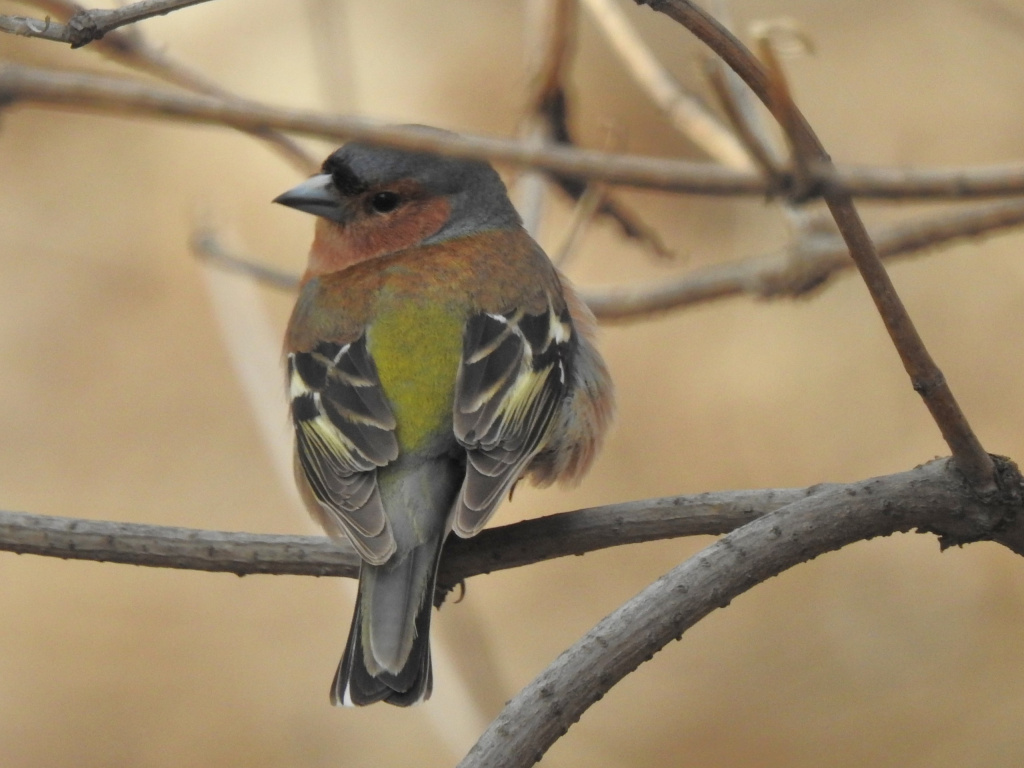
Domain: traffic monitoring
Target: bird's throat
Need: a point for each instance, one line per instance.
(336, 247)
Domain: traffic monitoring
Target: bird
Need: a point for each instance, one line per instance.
(435, 356)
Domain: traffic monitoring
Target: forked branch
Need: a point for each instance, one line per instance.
(926, 377)
(932, 499)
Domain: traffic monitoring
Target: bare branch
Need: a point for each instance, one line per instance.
(806, 265)
(550, 31)
(128, 47)
(32, 86)
(733, 101)
(925, 375)
(20, 84)
(933, 498)
(588, 204)
(494, 549)
(207, 245)
(685, 111)
(88, 25)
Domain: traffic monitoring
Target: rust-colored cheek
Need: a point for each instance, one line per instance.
(336, 247)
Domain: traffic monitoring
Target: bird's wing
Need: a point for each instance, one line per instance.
(513, 375)
(344, 431)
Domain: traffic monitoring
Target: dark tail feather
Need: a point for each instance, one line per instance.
(354, 685)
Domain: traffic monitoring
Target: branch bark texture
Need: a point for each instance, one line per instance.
(933, 498)
(510, 546)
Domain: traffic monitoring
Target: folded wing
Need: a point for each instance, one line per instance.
(345, 431)
(513, 375)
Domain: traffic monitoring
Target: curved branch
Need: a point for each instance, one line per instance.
(933, 498)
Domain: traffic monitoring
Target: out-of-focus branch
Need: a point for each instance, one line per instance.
(31, 86)
(28, 85)
(733, 97)
(768, 82)
(87, 25)
(550, 31)
(588, 204)
(807, 264)
(684, 110)
(127, 46)
(208, 246)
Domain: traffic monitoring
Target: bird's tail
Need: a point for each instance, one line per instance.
(387, 657)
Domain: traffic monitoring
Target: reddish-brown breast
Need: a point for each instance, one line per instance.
(491, 271)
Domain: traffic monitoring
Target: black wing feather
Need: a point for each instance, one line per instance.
(345, 431)
(511, 381)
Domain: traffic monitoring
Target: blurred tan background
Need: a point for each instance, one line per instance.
(118, 400)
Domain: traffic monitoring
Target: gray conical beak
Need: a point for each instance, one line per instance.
(316, 195)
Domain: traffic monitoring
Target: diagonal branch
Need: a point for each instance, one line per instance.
(88, 25)
(925, 376)
(684, 111)
(932, 498)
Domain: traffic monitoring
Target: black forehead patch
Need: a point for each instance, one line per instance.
(346, 181)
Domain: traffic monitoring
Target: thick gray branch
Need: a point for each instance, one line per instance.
(933, 498)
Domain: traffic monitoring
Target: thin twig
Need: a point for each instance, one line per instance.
(208, 246)
(932, 498)
(684, 110)
(780, 274)
(127, 46)
(773, 275)
(588, 204)
(550, 28)
(925, 375)
(92, 24)
(760, 151)
(786, 113)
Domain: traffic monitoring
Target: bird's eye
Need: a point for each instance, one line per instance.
(385, 202)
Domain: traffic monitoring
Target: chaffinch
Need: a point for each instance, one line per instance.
(435, 356)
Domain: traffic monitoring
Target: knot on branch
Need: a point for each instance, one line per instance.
(83, 28)
(926, 386)
(993, 516)
(800, 188)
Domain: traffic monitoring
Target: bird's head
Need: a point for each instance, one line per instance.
(372, 201)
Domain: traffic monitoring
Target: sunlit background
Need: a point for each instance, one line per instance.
(120, 400)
